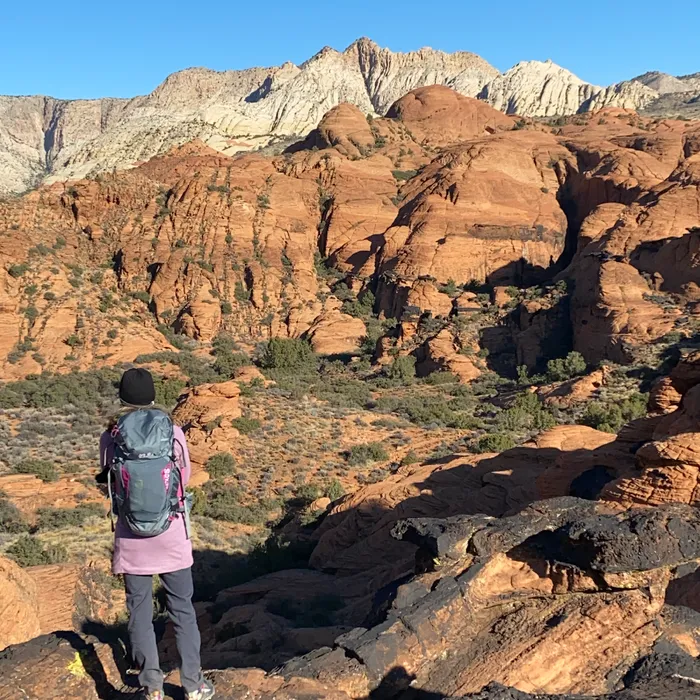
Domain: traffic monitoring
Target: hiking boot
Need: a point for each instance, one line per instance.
(153, 695)
(205, 692)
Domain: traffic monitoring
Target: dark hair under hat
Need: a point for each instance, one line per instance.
(136, 387)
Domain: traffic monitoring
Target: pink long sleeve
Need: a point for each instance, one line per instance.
(164, 553)
(182, 454)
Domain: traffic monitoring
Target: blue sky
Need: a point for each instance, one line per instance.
(124, 48)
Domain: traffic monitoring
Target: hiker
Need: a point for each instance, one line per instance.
(146, 465)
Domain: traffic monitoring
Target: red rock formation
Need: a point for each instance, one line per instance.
(206, 412)
(336, 333)
(346, 129)
(439, 116)
(18, 605)
(443, 189)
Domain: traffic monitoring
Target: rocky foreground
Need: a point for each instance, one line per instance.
(509, 597)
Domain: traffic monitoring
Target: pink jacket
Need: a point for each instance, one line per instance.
(164, 553)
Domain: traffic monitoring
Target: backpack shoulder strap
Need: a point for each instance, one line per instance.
(183, 499)
(111, 496)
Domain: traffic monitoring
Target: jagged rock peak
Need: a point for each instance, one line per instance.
(538, 88)
(42, 139)
(665, 84)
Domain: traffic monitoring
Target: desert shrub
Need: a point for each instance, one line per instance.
(334, 490)
(526, 413)
(439, 378)
(226, 308)
(410, 458)
(223, 502)
(220, 465)
(49, 296)
(73, 341)
(45, 470)
(564, 368)
(199, 499)
(610, 417)
(450, 288)
(360, 308)
(54, 518)
(307, 493)
(227, 362)
(29, 551)
(86, 390)
(359, 455)
(673, 337)
(18, 270)
(340, 391)
(402, 175)
(168, 391)
(429, 324)
(289, 355)
(176, 340)
(112, 333)
(374, 477)
(141, 295)
(323, 268)
(246, 425)
(431, 410)
(494, 442)
(11, 520)
(403, 369)
(107, 302)
(223, 344)
(241, 293)
(224, 189)
(195, 368)
(523, 375)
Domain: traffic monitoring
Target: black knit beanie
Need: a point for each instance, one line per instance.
(136, 387)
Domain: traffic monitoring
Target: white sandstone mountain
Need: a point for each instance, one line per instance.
(665, 84)
(44, 139)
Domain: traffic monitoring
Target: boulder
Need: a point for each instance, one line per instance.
(345, 128)
(208, 402)
(336, 333)
(579, 390)
(19, 604)
(206, 412)
(442, 353)
(438, 115)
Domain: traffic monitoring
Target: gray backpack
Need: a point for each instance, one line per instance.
(148, 492)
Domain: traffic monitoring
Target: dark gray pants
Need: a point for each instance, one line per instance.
(139, 601)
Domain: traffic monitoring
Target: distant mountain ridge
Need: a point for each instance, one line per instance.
(44, 139)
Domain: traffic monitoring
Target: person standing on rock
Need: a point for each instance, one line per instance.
(146, 465)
